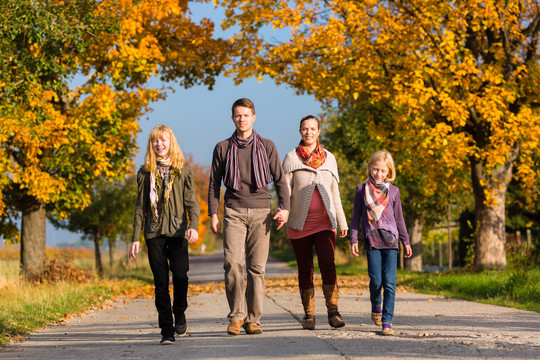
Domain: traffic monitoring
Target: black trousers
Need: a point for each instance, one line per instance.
(164, 254)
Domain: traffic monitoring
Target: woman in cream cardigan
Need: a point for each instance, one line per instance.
(316, 214)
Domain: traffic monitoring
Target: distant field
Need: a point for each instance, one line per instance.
(13, 253)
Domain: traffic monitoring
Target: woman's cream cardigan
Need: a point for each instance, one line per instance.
(302, 180)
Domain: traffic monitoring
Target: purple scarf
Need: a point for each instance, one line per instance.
(259, 157)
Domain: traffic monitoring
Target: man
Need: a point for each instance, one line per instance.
(247, 163)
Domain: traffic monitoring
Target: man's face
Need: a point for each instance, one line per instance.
(243, 119)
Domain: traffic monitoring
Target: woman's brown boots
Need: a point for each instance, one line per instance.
(308, 301)
(331, 296)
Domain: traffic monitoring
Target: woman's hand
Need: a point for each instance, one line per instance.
(354, 249)
(343, 233)
(282, 216)
(133, 250)
(192, 236)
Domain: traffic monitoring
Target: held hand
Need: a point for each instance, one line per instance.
(215, 225)
(282, 216)
(192, 236)
(342, 233)
(354, 249)
(408, 251)
(133, 250)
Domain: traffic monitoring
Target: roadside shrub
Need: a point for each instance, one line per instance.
(61, 270)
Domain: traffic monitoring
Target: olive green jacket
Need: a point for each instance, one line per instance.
(181, 212)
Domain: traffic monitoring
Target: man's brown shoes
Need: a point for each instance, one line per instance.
(252, 328)
(234, 327)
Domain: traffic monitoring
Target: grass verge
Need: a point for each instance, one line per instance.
(517, 288)
(29, 306)
(26, 307)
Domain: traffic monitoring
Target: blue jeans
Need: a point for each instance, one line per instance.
(382, 266)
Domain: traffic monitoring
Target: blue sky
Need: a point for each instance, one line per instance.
(200, 118)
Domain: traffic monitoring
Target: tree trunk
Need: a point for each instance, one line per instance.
(33, 234)
(111, 260)
(433, 253)
(441, 263)
(414, 263)
(449, 231)
(490, 251)
(97, 253)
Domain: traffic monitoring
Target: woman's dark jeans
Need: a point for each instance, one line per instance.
(166, 253)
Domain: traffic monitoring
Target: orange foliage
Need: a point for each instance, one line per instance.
(56, 138)
(56, 270)
(458, 78)
(202, 176)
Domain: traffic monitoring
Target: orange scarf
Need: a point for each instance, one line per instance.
(315, 159)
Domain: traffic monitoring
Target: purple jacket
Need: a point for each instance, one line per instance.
(391, 220)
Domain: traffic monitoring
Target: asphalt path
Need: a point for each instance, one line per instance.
(427, 327)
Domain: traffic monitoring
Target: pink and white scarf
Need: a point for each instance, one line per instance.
(376, 199)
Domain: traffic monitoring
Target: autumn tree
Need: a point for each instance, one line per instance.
(202, 178)
(106, 217)
(356, 132)
(73, 82)
(460, 80)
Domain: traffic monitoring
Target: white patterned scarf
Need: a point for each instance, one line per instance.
(163, 165)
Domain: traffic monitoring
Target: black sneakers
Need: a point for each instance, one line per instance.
(167, 340)
(180, 325)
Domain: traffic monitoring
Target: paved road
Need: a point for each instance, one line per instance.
(427, 327)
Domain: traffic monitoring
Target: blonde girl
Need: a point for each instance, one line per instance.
(377, 210)
(167, 210)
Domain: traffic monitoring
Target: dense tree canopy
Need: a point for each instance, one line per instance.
(459, 80)
(73, 82)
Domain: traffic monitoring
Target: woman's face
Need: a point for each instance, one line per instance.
(379, 171)
(161, 146)
(309, 131)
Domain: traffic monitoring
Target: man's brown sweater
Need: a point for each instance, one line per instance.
(247, 196)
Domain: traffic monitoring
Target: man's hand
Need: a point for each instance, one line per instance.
(215, 225)
(282, 216)
(192, 236)
(133, 250)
